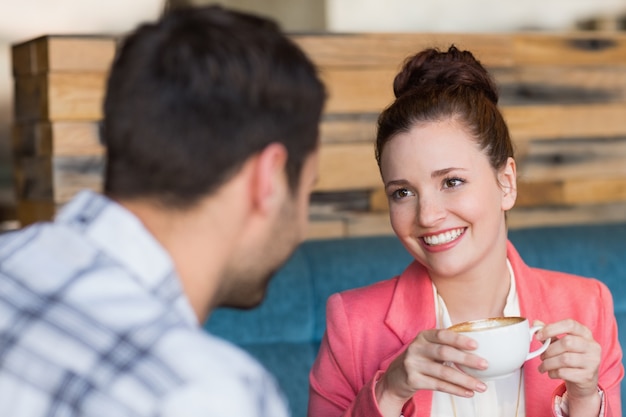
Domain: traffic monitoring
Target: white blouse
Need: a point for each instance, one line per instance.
(504, 397)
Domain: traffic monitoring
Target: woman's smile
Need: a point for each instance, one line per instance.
(443, 237)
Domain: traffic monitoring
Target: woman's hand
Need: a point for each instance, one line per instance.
(424, 364)
(573, 356)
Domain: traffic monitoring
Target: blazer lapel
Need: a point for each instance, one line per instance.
(412, 306)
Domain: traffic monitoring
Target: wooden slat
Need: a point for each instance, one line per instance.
(357, 90)
(531, 85)
(347, 167)
(354, 91)
(537, 122)
(357, 51)
(63, 54)
(69, 136)
(585, 158)
(59, 138)
(571, 49)
(33, 179)
(560, 122)
(349, 224)
(8, 211)
(368, 224)
(391, 49)
(72, 174)
(29, 211)
(571, 192)
(523, 217)
(378, 200)
(326, 228)
(357, 128)
(59, 96)
(494, 50)
(57, 179)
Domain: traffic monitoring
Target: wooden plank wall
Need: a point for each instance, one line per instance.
(59, 87)
(563, 95)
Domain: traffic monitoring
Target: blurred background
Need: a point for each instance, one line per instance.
(27, 19)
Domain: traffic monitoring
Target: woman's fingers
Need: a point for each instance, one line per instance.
(428, 363)
(568, 326)
(434, 357)
(449, 379)
(453, 347)
(573, 356)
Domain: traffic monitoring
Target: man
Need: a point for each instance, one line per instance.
(211, 127)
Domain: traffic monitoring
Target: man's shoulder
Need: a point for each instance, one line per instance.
(165, 364)
(216, 378)
(42, 264)
(194, 351)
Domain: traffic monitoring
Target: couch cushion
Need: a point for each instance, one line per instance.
(597, 251)
(342, 264)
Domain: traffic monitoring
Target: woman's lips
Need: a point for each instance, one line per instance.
(443, 237)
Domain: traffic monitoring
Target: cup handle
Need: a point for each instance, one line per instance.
(543, 348)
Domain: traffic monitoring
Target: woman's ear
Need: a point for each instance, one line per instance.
(507, 177)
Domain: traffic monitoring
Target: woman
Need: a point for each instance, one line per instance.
(447, 164)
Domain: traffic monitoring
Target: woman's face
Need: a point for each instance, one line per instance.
(446, 202)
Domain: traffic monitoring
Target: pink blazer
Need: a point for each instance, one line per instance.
(368, 327)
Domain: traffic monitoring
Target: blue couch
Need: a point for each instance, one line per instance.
(285, 331)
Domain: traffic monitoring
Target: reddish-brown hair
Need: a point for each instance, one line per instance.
(434, 86)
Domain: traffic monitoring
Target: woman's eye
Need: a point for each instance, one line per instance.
(401, 193)
(452, 182)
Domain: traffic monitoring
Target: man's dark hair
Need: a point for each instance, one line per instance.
(194, 95)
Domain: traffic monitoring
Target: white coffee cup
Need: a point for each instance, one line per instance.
(503, 341)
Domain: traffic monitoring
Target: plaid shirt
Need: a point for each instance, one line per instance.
(93, 322)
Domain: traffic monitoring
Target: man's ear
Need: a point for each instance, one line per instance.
(507, 177)
(269, 178)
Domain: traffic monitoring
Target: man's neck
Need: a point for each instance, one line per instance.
(198, 243)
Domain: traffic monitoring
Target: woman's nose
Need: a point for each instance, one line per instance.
(430, 211)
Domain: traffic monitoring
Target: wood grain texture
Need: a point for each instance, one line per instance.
(31, 211)
(344, 167)
(59, 96)
(63, 54)
(562, 95)
(56, 138)
(570, 49)
(375, 50)
(57, 179)
(494, 50)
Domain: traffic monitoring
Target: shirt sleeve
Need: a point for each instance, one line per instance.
(561, 408)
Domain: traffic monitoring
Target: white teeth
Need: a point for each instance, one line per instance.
(442, 238)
